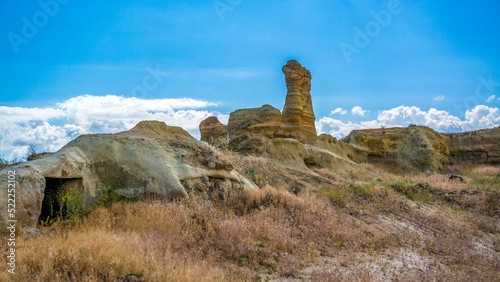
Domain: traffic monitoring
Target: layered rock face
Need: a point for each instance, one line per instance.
(476, 147)
(250, 130)
(152, 159)
(415, 147)
(421, 148)
(298, 114)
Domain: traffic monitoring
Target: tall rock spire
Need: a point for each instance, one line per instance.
(298, 112)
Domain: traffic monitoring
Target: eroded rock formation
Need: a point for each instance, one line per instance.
(211, 129)
(152, 159)
(423, 149)
(298, 114)
(416, 147)
(250, 130)
(475, 147)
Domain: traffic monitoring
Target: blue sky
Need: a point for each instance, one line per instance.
(100, 66)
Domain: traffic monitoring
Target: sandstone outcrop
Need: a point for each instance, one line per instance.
(475, 147)
(414, 147)
(212, 129)
(152, 159)
(421, 148)
(249, 130)
(341, 149)
(298, 114)
(291, 153)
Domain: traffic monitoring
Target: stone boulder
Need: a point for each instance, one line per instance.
(287, 152)
(150, 160)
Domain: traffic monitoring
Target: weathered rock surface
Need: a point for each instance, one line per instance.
(341, 149)
(288, 152)
(421, 148)
(414, 147)
(212, 129)
(152, 159)
(298, 114)
(291, 153)
(250, 130)
(476, 147)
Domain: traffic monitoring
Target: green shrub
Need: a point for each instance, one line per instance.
(73, 200)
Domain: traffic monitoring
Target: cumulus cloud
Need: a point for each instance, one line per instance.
(51, 128)
(491, 98)
(357, 110)
(481, 117)
(341, 129)
(339, 111)
(439, 98)
(478, 118)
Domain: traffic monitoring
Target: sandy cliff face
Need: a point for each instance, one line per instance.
(477, 147)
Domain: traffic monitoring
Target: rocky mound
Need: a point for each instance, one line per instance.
(413, 147)
(250, 130)
(421, 148)
(152, 159)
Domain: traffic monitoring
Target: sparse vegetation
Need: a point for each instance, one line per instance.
(326, 225)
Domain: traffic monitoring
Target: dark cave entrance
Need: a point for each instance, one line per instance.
(54, 204)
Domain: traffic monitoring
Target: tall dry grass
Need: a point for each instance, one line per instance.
(298, 223)
(266, 231)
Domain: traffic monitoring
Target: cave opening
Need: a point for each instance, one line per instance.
(56, 195)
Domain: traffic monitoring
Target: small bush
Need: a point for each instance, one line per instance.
(73, 200)
(338, 196)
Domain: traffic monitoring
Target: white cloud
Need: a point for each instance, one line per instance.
(22, 115)
(439, 98)
(341, 129)
(481, 117)
(224, 119)
(52, 128)
(357, 110)
(404, 116)
(339, 111)
(478, 118)
(491, 98)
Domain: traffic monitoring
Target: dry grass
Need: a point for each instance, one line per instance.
(323, 225)
(486, 169)
(270, 231)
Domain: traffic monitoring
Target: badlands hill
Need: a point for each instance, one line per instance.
(258, 131)
(262, 197)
